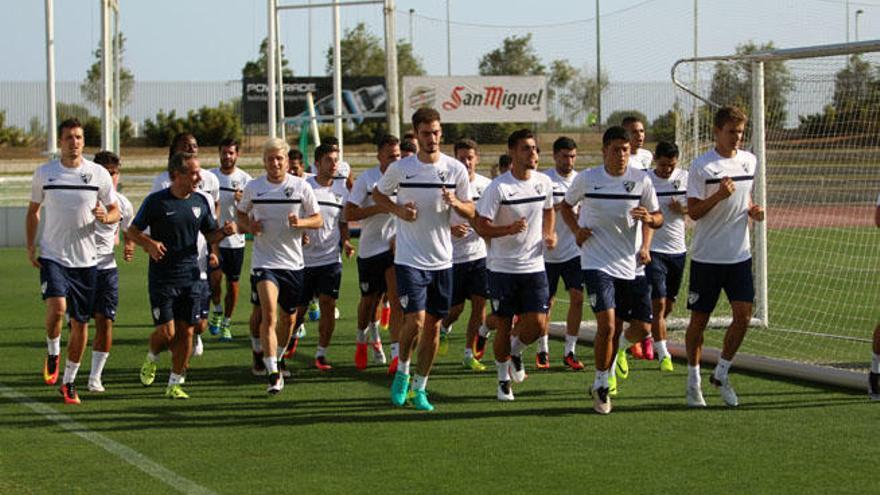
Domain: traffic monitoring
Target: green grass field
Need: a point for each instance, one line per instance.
(337, 432)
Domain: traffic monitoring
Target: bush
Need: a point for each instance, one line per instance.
(12, 136)
(208, 125)
(92, 124)
(663, 127)
(617, 117)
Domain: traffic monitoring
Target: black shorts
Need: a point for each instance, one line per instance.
(639, 307)
(707, 280)
(107, 293)
(289, 283)
(371, 272)
(231, 260)
(424, 290)
(175, 303)
(76, 285)
(204, 298)
(665, 272)
(570, 272)
(519, 293)
(321, 280)
(469, 279)
(605, 292)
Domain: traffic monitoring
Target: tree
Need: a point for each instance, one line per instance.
(575, 89)
(515, 57)
(258, 68)
(663, 127)
(362, 53)
(617, 117)
(91, 87)
(732, 84)
(855, 106)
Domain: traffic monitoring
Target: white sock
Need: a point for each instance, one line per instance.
(70, 369)
(218, 308)
(875, 363)
(256, 345)
(516, 346)
(694, 379)
(154, 358)
(271, 364)
(503, 369)
(362, 335)
(198, 342)
(175, 379)
(99, 359)
(320, 352)
(468, 353)
(544, 344)
(395, 350)
(660, 348)
(226, 321)
(601, 380)
(570, 343)
(622, 342)
(374, 332)
(419, 382)
(484, 331)
(54, 345)
(403, 367)
(721, 370)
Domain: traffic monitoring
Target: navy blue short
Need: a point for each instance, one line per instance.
(570, 272)
(424, 290)
(321, 280)
(707, 280)
(519, 293)
(639, 307)
(231, 260)
(469, 279)
(605, 292)
(175, 303)
(289, 283)
(665, 272)
(204, 299)
(76, 285)
(107, 293)
(371, 272)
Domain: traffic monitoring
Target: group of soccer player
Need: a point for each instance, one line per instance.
(433, 235)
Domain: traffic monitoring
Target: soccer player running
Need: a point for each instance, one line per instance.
(231, 181)
(175, 217)
(564, 261)
(469, 275)
(429, 186)
(375, 260)
(276, 208)
(76, 194)
(719, 200)
(516, 215)
(107, 287)
(323, 262)
(613, 199)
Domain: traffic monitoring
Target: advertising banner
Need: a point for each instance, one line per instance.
(474, 99)
(362, 98)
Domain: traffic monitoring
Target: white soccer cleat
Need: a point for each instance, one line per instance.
(727, 394)
(695, 396)
(276, 383)
(378, 353)
(517, 370)
(601, 400)
(505, 393)
(95, 385)
(198, 347)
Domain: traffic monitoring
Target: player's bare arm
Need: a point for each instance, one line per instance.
(354, 213)
(32, 221)
(155, 249)
(581, 234)
(488, 230)
(548, 228)
(464, 208)
(697, 208)
(310, 222)
(407, 212)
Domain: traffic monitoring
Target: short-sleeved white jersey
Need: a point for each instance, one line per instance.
(722, 234)
(669, 238)
(426, 243)
(605, 204)
(208, 185)
(278, 246)
(470, 247)
(228, 185)
(641, 159)
(68, 196)
(106, 235)
(506, 200)
(377, 231)
(323, 246)
(343, 170)
(566, 247)
(202, 243)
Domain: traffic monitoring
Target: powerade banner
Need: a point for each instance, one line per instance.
(361, 97)
(478, 98)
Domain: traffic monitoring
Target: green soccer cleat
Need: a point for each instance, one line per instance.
(420, 401)
(225, 333)
(666, 364)
(473, 365)
(399, 387)
(175, 392)
(622, 364)
(443, 348)
(148, 372)
(612, 385)
(214, 322)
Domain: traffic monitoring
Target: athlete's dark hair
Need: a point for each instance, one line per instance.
(729, 114)
(179, 138)
(408, 146)
(517, 136)
(425, 116)
(105, 158)
(614, 133)
(330, 140)
(177, 162)
(465, 144)
(630, 119)
(564, 143)
(294, 155)
(71, 123)
(409, 136)
(386, 140)
(504, 161)
(229, 142)
(323, 150)
(666, 149)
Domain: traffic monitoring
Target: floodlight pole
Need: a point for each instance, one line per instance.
(760, 150)
(270, 69)
(106, 80)
(280, 76)
(391, 80)
(598, 70)
(117, 83)
(337, 77)
(51, 117)
(696, 112)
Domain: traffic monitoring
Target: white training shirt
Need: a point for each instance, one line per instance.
(506, 200)
(202, 243)
(605, 205)
(641, 159)
(471, 247)
(209, 185)
(68, 196)
(278, 246)
(228, 184)
(377, 231)
(107, 235)
(722, 234)
(323, 246)
(669, 239)
(343, 170)
(426, 243)
(566, 246)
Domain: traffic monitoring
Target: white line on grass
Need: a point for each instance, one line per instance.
(127, 454)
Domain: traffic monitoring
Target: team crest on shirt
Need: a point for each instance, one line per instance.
(539, 189)
(593, 299)
(441, 174)
(197, 211)
(365, 286)
(745, 167)
(629, 185)
(155, 313)
(86, 177)
(495, 304)
(676, 184)
(693, 297)
(404, 300)
(288, 191)
(43, 287)
(234, 184)
(338, 198)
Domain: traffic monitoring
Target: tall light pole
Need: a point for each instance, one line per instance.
(448, 42)
(858, 13)
(598, 70)
(411, 25)
(51, 121)
(847, 21)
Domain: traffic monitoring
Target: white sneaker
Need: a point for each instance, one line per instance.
(505, 393)
(727, 394)
(517, 370)
(198, 347)
(276, 386)
(95, 385)
(301, 331)
(695, 396)
(601, 400)
(378, 353)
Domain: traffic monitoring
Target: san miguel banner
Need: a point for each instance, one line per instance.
(478, 98)
(362, 98)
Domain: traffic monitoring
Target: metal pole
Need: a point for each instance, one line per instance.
(391, 80)
(52, 123)
(759, 147)
(411, 25)
(117, 90)
(280, 76)
(448, 42)
(311, 72)
(106, 79)
(310, 105)
(337, 78)
(598, 70)
(696, 110)
(270, 68)
(858, 13)
(847, 21)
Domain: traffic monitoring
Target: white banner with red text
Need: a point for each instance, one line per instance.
(473, 99)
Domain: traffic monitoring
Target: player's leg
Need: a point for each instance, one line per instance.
(395, 317)
(455, 312)
(703, 292)
(438, 294)
(231, 261)
(532, 303)
(54, 288)
(329, 280)
(554, 271)
(740, 289)
(215, 277)
(291, 293)
(373, 282)
(503, 309)
(258, 368)
(601, 293)
(874, 374)
(267, 288)
(412, 285)
(82, 283)
(106, 302)
(476, 321)
(573, 277)
(204, 310)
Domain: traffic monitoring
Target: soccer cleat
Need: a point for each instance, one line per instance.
(420, 401)
(874, 385)
(399, 387)
(95, 385)
(291, 347)
(276, 383)
(314, 311)
(505, 393)
(601, 401)
(480, 347)
(148, 372)
(573, 362)
(392, 367)
(198, 347)
(637, 351)
(648, 348)
(378, 353)
(612, 385)
(322, 364)
(175, 392)
(225, 334)
(301, 331)
(695, 396)
(443, 348)
(385, 318)
(517, 370)
(259, 367)
(68, 391)
(282, 368)
(727, 394)
(542, 361)
(473, 365)
(622, 364)
(50, 370)
(360, 356)
(214, 322)
(666, 364)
